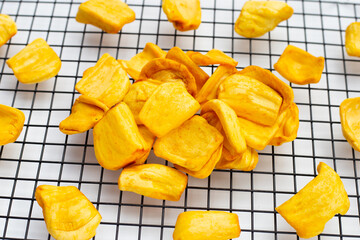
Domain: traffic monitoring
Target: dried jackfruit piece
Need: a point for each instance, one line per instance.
(214, 56)
(139, 93)
(149, 140)
(352, 35)
(68, 214)
(191, 145)
(35, 63)
(7, 28)
(108, 15)
(117, 140)
(207, 225)
(259, 17)
(299, 66)
(250, 99)
(135, 64)
(11, 124)
(107, 81)
(178, 55)
(185, 15)
(288, 128)
(210, 88)
(207, 169)
(245, 162)
(153, 180)
(167, 70)
(230, 123)
(167, 108)
(350, 124)
(85, 113)
(313, 206)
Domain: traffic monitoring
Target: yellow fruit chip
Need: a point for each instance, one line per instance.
(7, 28)
(349, 115)
(244, 162)
(352, 35)
(11, 124)
(214, 56)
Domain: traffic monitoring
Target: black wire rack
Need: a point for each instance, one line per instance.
(43, 155)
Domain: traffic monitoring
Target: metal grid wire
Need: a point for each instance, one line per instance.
(43, 155)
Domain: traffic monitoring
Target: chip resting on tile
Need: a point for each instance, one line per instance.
(153, 180)
(35, 63)
(352, 35)
(185, 15)
(206, 225)
(68, 214)
(313, 206)
(259, 17)
(214, 56)
(8, 28)
(350, 121)
(109, 15)
(11, 124)
(299, 66)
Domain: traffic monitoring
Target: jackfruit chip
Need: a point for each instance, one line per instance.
(68, 214)
(185, 15)
(149, 140)
(117, 140)
(245, 162)
(7, 28)
(167, 108)
(139, 93)
(35, 63)
(313, 206)
(352, 35)
(11, 124)
(269, 79)
(85, 113)
(250, 99)
(135, 64)
(108, 15)
(214, 56)
(259, 17)
(229, 122)
(153, 180)
(207, 169)
(299, 66)
(210, 88)
(191, 145)
(107, 81)
(213, 120)
(207, 225)
(179, 56)
(349, 115)
(167, 70)
(288, 128)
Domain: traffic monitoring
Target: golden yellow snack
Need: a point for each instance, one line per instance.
(230, 123)
(288, 128)
(349, 115)
(11, 124)
(135, 64)
(214, 56)
(107, 81)
(210, 88)
(167, 70)
(108, 15)
(153, 180)
(352, 35)
(206, 225)
(85, 113)
(167, 108)
(207, 169)
(7, 28)
(250, 99)
(185, 15)
(35, 63)
(245, 162)
(68, 214)
(191, 145)
(313, 206)
(299, 66)
(117, 140)
(178, 55)
(149, 140)
(259, 17)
